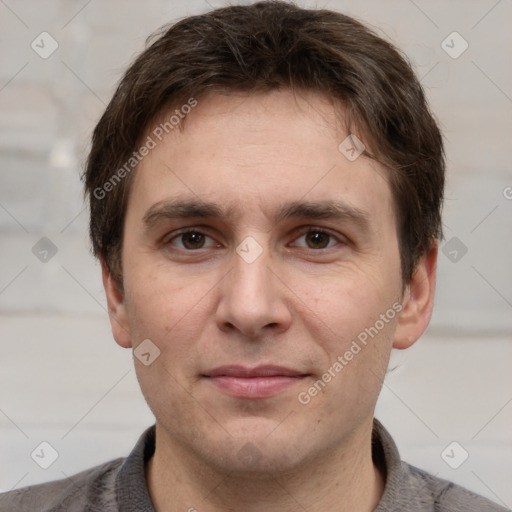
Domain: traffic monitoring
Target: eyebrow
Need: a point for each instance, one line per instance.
(334, 210)
(194, 208)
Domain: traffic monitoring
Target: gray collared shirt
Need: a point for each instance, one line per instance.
(120, 485)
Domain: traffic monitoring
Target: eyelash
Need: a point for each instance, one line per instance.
(323, 231)
(168, 241)
(303, 232)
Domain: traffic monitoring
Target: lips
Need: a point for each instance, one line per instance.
(258, 382)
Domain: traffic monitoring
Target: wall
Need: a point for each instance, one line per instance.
(62, 378)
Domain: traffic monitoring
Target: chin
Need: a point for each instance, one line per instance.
(249, 459)
(257, 449)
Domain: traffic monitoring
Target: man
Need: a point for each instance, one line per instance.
(265, 191)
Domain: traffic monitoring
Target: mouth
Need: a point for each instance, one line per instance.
(258, 382)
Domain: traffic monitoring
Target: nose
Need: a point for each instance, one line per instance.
(253, 300)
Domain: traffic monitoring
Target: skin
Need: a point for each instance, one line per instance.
(300, 304)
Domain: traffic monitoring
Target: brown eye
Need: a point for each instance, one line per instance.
(192, 240)
(317, 239)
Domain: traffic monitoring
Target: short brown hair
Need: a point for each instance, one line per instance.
(261, 47)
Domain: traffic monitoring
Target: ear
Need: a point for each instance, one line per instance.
(116, 308)
(418, 301)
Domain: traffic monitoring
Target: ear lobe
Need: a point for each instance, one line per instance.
(116, 308)
(418, 301)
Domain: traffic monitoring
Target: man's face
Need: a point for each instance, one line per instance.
(254, 254)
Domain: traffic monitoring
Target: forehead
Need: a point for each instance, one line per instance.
(253, 150)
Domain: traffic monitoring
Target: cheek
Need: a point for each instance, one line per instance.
(169, 314)
(355, 340)
(166, 309)
(157, 294)
(344, 306)
(356, 350)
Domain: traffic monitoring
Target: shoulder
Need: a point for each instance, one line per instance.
(408, 488)
(444, 496)
(93, 489)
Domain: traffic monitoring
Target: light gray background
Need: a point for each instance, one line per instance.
(62, 378)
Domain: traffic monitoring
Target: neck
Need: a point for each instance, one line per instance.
(343, 480)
